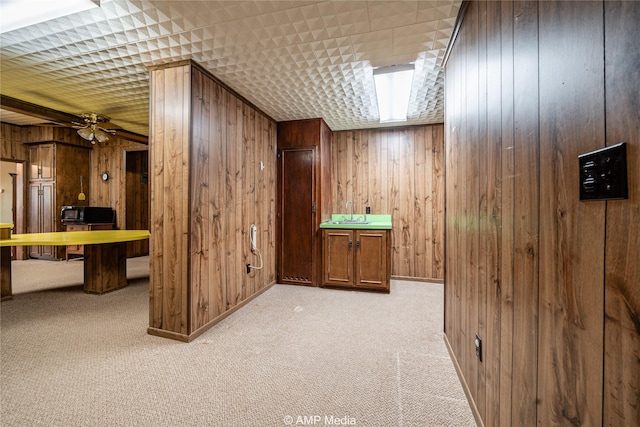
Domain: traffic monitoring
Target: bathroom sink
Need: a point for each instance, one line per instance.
(353, 221)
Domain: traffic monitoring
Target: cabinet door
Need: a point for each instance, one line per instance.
(34, 163)
(35, 220)
(338, 257)
(49, 217)
(371, 259)
(47, 161)
(41, 162)
(41, 216)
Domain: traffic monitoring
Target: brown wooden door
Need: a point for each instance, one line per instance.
(297, 217)
(371, 259)
(338, 257)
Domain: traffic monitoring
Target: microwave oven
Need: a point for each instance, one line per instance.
(87, 215)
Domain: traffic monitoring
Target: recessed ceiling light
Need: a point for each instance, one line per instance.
(16, 14)
(393, 89)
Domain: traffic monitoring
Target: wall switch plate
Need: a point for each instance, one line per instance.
(478, 343)
(603, 173)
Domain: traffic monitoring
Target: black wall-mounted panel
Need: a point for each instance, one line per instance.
(603, 173)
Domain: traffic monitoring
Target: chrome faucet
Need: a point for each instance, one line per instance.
(349, 202)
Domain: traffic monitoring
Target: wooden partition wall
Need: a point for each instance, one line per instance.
(549, 283)
(213, 174)
(397, 171)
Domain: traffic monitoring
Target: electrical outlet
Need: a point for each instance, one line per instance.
(368, 210)
(248, 268)
(478, 343)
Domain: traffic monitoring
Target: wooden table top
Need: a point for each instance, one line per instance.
(64, 238)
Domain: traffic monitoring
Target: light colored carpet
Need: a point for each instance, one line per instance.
(73, 359)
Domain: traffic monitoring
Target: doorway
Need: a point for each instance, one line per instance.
(12, 199)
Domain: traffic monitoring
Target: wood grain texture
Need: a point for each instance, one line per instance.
(5, 274)
(526, 211)
(137, 199)
(400, 172)
(105, 267)
(207, 189)
(111, 157)
(554, 299)
(571, 260)
(506, 232)
(12, 143)
(622, 280)
(492, 223)
(54, 171)
(314, 194)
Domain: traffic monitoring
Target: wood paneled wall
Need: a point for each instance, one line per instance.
(550, 283)
(137, 202)
(12, 146)
(207, 188)
(397, 171)
(111, 156)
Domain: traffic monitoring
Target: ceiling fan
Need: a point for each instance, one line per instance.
(95, 127)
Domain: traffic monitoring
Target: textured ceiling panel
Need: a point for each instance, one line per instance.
(292, 59)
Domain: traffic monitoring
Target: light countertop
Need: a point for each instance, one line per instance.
(374, 222)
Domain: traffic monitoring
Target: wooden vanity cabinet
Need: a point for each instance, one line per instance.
(357, 259)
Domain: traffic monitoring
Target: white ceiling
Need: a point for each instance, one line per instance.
(292, 59)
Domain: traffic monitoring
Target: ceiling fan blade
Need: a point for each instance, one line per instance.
(109, 125)
(107, 130)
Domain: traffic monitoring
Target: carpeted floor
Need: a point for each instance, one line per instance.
(293, 356)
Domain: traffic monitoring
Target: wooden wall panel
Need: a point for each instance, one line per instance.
(622, 280)
(526, 211)
(136, 214)
(12, 143)
(400, 172)
(213, 161)
(111, 157)
(552, 286)
(492, 221)
(571, 261)
(506, 232)
(169, 143)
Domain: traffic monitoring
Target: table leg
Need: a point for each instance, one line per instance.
(105, 267)
(5, 274)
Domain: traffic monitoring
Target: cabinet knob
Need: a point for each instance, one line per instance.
(350, 244)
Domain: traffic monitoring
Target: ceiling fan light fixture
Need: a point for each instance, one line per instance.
(101, 136)
(87, 133)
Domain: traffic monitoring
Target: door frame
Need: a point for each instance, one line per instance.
(19, 211)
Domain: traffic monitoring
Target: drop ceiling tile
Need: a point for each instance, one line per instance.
(315, 58)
